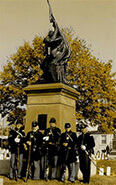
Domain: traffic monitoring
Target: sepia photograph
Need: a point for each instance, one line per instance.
(57, 92)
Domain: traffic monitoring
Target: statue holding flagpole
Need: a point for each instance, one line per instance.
(57, 53)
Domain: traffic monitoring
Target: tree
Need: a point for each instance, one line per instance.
(96, 103)
(93, 79)
(22, 69)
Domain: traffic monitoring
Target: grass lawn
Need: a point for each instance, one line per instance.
(105, 163)
(95, 180)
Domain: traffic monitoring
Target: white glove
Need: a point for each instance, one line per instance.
(77, 158)
(17, 140)
(29, 143)
(83, 147)
(46, 138)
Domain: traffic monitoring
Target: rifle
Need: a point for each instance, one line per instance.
(16, 164)
(46, 139)
(64, 165)
(67, 153)
(29, 159)
(46, 165)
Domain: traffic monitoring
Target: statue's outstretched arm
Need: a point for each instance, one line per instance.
(53, 21)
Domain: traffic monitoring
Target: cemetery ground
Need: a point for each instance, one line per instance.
(95, 180)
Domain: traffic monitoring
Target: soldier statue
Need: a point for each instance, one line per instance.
(57, 54)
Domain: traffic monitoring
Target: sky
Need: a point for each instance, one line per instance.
(92, 20)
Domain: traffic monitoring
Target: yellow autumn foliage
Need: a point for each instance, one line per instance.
(92, 78)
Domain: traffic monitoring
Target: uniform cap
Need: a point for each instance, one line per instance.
(67, 125)
(52, 120)
(34, 123)
(19, 121)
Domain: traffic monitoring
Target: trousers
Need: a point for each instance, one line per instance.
(71, 171)
(13, 163)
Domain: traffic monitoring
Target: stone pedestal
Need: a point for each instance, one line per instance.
(51, 100)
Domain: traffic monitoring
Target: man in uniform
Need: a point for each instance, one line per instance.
(35, 139)
(54, 134)
(67, 155)
(85, 143)
(16, 141)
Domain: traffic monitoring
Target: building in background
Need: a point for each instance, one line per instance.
(101, 142)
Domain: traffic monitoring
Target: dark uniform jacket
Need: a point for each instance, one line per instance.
(13, 134)
(54, 140)
(36, 144)
(88, 141)
(68, 153)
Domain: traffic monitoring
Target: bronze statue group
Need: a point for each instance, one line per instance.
(57, 54)
(46, 155)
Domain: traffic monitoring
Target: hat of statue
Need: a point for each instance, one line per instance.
(34, 123)
(52, 120)
(67, 125)
(19, 121)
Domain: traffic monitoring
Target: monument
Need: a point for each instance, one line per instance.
(51, 96)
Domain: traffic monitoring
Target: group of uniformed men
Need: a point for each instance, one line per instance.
(49, 150)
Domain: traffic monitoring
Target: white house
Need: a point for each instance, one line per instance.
(101, 141)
